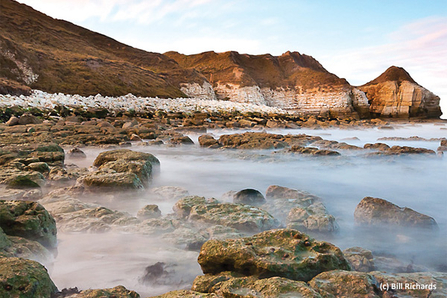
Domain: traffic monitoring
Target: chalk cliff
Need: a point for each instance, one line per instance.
(395, 94)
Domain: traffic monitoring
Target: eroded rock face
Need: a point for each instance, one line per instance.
(24, 278)
(395, 93)
(283, 253)
(379, 212)
(29, 220)
(360, 259)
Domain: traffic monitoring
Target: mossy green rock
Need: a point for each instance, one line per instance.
(284, 253)
(24, 278)
(21, 182)
(29, 220)
(41, 167)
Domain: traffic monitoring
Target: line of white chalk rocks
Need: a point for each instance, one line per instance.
(44, 100)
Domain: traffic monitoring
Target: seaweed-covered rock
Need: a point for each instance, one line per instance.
(28, 249)
(21, 182)
(284, 253)
(41, 167)
(374, 211)
(182, 207)
(29, 220)
(350, 284)
(360, 259)
(249, 197)
(24, 278)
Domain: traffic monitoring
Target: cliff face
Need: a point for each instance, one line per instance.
(39, 52)
(57, 56)
(291, 81)
(395, 94)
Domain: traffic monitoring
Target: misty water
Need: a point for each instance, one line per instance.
(418, 182)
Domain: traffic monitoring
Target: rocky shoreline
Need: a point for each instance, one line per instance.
(248, 244)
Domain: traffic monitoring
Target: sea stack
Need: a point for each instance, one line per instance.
(395, 94)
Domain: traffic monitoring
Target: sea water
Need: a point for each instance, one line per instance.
(418, 182)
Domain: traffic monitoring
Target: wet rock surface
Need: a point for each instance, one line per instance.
(379, 212)
(24, 278)
(284, 253)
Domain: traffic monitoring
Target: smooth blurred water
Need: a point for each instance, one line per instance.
(417, 182)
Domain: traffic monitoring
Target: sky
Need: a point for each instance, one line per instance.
(356, 40)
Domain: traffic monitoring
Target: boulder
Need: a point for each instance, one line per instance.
(229, 284)
(21, 182)
(360, 259)
(29, 119)
(283, 253)
(313, 218)
(208, 141)
(141, 168)
(149, 211)
(249, 197)
(12, 121)
(116, 292)
(24, 278)
(41, 167)
(350, 284)
(124, 154)
(378, 212)
(29, 220)
(111, 181)
(76, 153)
(200, 211)
(27, 249)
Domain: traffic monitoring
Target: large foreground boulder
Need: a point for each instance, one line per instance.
(284, 253)
(25, 279)
(124, 154)
(379, 212)
(29, 220)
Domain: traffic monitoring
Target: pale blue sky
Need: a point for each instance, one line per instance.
(356, 40)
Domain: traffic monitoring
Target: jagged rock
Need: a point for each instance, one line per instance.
(395, 93)
(360, 259)
(24, 278)
(29, 220)
(181, 140)
(200, 211)
(229, 284)
(312, 151)
(378, 212)
(249, 197)
(284, 253)
(148, 211)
